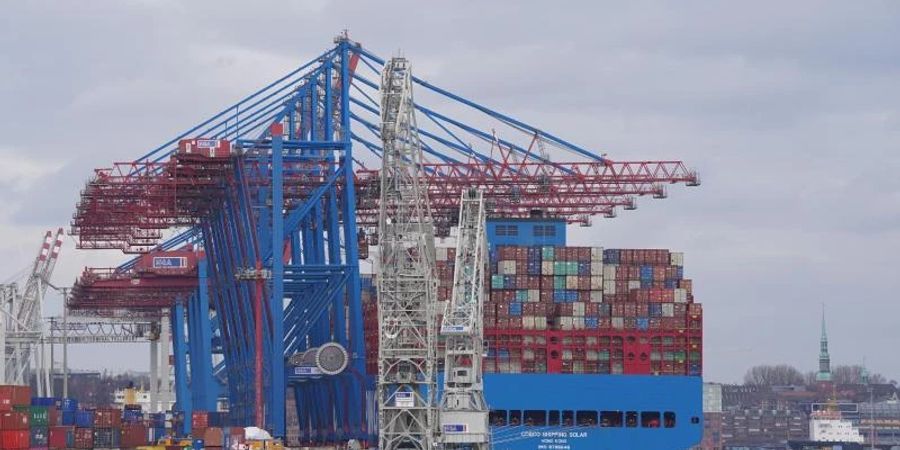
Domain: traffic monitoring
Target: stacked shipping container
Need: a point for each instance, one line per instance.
(53, 423)
(578, 310)
(15, 432)
(208, 426)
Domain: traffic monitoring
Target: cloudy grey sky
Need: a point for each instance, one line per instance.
(789, 110)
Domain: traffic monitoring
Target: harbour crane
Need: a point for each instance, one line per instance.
(463, 409)
(407, 288)
(21, 327)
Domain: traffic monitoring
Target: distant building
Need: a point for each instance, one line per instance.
(712, 397)
(824, 374)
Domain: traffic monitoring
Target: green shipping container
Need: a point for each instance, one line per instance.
(559, 283)
(38, 416)
(603, 355)
(559, 268)
(547, 253)
(572, 268)
(496, 281)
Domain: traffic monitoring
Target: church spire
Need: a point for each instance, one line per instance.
(824, 373)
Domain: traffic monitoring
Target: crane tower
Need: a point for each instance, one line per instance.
(463, 410)
(407, 287)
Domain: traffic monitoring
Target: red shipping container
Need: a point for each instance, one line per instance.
(59, 436)
(15, 439)
(107, 418)
(21, 396)
(134, 435)
(53, 416)
(6, 398)
(13, 420)
(84, 438)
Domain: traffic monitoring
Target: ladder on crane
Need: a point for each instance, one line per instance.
(463, 409)
(407, 289)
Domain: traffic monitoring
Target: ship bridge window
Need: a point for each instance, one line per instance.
(695, 420)
(497, 417)
(515, 418)
(650, 419)
(544, 231)
(669, 419)
(611, 419)
(553, 418)
(507, 230)
(535, 418)
(586, 418)
(631, 419)
(568, 418)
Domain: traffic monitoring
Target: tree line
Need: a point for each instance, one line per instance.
(783, 374)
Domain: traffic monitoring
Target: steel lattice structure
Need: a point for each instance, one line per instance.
(407, 288)
(21, 321)
(275, 190)
(464, 410)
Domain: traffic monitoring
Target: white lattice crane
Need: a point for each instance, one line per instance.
(407, 290)
(21, 327)
(463, 409)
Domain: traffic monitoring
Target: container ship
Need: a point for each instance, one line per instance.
(588, 348)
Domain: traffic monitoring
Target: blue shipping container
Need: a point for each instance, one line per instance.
(40, 436)
(68, 418)
(643, 323)
(43, 401)
(70, 404)
(84, 419)
(611, 256)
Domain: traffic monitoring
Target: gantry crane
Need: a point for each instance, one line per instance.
(407, 288)
(463, 409)
(21, 327)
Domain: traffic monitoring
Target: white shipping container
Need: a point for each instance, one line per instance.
(597, 254)
(634, 284)
(534, 295)
(528, 322)
(572, 282)
(578, 323)
(681, 295)
(567, 355)
(597, 268)
(676, 259)
(515, 366)
(609, 271)
(507, 267)
(592, 355)
(596, 296)
(547, 268)
(609, 286)
(596, 283)
(618, 323)
(540, 323)
(565, 323)
(527, 354)
(668, 310)
(578, 309)
(441, 253)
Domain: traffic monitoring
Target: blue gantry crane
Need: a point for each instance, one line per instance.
(279, 194)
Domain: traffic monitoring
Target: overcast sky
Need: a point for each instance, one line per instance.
(789, 111)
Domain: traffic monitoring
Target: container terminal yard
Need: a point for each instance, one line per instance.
(354, 257)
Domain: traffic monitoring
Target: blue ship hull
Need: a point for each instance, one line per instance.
(592, 412)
